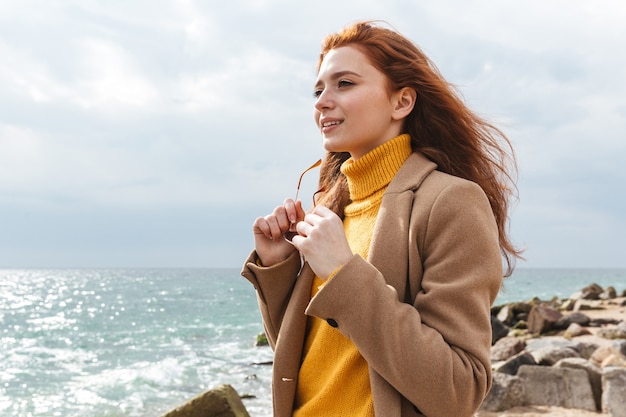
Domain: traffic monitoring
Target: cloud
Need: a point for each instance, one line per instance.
(152, 134)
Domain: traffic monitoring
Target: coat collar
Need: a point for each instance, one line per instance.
(411, 174)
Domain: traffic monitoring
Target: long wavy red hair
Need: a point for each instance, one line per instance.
(441, 126)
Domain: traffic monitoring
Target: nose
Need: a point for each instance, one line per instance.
(324, 100)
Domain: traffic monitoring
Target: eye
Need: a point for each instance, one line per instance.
(340, 84)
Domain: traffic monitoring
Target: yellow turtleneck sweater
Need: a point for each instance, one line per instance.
(334, 378)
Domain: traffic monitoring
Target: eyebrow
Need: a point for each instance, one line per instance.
(339, 74)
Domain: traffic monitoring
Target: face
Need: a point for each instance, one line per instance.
(353, 107)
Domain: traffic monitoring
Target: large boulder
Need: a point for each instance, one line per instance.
(614, 391)
(222, 401)
(574, 318)
(610, 355)
(507, 347)
(560, 387)
(506, 392)
(542, 318)
(614, 333)
(593, 372)
(549, 355)
(590, 292)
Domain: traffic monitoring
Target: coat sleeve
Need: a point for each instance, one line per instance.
(274, 286)
(435, 353)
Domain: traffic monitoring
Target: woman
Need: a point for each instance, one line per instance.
(389, 314)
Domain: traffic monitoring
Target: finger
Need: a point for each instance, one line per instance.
(280, 212)
(260, 226)
(296, 241)
(312, 219)
(291, 209)
(322, 211)
(269, 227)
(300, 210)
(276, 231)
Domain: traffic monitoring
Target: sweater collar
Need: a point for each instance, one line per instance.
(375, 170)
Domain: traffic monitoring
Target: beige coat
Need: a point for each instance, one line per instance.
(418, 309)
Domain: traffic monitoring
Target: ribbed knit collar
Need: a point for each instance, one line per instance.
(374, 171)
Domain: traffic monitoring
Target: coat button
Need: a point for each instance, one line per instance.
(332, 322)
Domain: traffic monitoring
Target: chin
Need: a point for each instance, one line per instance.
(329, 146)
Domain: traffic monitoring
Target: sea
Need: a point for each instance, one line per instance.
(140, 342)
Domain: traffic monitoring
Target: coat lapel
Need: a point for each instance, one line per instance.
(390, 243)
(390, 237)
(291, 340)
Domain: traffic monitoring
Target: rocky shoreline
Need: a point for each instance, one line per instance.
(560, 357)
(551, 358)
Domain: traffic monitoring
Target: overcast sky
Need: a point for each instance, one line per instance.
(152, 133)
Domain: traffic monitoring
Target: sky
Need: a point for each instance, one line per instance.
(153, 133)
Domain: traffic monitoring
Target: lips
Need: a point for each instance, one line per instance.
(328, 124)
(332, 123)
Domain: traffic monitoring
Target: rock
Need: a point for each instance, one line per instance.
(609, 293)
(614, 360)
(507, 347)
(541, 318)
(506, 392)
(561, 387)
(512, 365)
(498, 329)
(590, 292)
(585, 349)
(573, 318)
(520, 325)
(600, 354)
(583, 356)
(599, 322)
(511, 313)
(548, 341)
(222, 401)
(617, 332)
(568, 305)
(614, 392)
(506, 315)
(582, 304)
(261, 340)
(575, 330)
(548, 356)
(608, 356)
(593, 372)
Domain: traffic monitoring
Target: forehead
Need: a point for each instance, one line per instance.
(345, 58)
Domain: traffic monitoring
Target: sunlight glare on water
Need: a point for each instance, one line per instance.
(122, 343)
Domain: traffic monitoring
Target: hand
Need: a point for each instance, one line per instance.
(269, 232)
(322, 241)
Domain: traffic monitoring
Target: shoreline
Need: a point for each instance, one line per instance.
(606, 312)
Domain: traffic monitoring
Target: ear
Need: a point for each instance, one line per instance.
(404, 101)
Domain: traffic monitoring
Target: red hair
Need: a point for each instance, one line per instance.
(441, 126)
